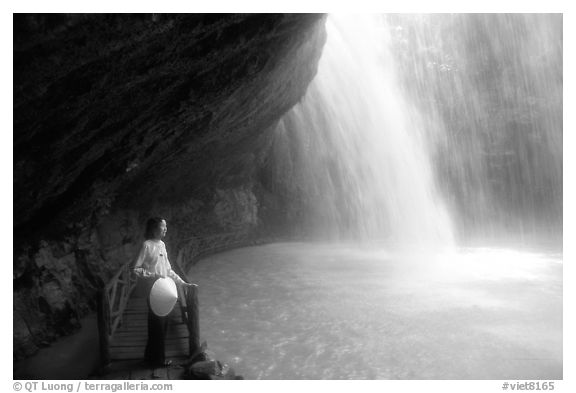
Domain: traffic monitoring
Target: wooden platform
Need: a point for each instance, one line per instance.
(138, 370)
(123, 328)
(129, 342)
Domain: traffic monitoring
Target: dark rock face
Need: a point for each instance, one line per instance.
(119, 117)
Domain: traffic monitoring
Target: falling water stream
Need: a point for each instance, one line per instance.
(365, 158)
(381, 168)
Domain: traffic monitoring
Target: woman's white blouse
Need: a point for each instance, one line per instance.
(153, 259)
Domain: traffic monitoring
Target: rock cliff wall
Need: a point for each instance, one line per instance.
(120, 117)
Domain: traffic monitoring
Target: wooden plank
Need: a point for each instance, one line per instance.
(139, 300)
(135, 338)
(144, 318)
(138, 352)
(125, 330)
(117, 275)
(144, 321)
(169, 346)
(131, 331)
(113, 298)
(137, 304)
(140, 355)
(137, 324)
(138, 370)
(123, 300)
(175, 342)
(142, 337)
(133, 353)
(142, 302)
(176, 373)
(131, 327)
(144, 310)
(128, 320)
(139, 374)
(125, 356)
(160, 373)
(144, 333)
(177, 347)
(132, 319)
(143, 341)
(126, 365)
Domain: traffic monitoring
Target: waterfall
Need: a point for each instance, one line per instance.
(363, 161)
(490, 87)
(421, 128)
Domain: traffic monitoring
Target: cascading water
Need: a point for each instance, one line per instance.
(490, 87)
(409, 111)
(365, 164)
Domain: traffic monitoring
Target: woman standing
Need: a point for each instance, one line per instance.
(152, 263)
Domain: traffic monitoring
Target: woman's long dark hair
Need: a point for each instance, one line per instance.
(151, 225)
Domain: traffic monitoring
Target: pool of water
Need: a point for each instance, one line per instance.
(325, 311)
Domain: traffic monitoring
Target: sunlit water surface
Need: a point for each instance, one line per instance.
(324, 311)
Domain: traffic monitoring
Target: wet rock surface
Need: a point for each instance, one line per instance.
(205, 366)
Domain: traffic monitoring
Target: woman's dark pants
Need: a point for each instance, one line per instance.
(157, 326)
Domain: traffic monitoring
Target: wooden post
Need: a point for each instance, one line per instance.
(182, 302)
(193, 320)
(104, 327)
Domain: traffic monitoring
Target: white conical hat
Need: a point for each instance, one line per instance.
(163, 296)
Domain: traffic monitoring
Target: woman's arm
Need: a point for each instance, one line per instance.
(177, 279)
(172, 274)
(139, 270)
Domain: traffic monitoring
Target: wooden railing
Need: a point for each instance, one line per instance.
(189, 309)
(113, 298)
